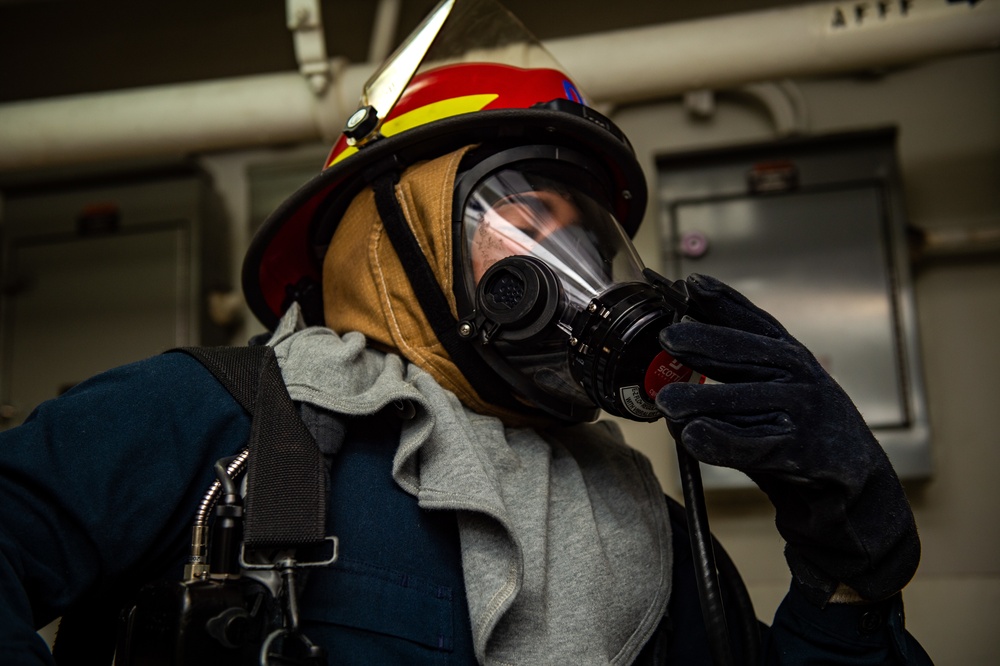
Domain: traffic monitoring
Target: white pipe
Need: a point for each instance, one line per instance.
(172, 120)
(626, 65)
(806, 40)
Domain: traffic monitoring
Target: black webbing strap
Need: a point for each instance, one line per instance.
(286, 486)
(432, 299)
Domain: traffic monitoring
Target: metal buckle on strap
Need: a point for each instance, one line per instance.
(289, 562)
(288, 645)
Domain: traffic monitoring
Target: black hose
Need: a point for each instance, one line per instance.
(227, 531)
(707, 578)
(222, 473)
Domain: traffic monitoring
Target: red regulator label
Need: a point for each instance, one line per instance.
(665, 369)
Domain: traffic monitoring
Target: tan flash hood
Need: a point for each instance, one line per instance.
(366, 289)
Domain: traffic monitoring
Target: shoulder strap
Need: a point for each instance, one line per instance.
(238, 369)
(286, 485)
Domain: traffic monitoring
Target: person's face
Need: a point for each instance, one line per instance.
(517, 224)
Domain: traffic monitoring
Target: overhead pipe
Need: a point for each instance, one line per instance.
(613, 67)
(175, 120)
(807, 40)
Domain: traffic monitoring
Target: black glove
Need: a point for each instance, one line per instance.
(781, 419)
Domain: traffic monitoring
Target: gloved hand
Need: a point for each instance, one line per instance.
(781, 419)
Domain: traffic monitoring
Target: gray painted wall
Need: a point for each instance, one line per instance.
(948, 114)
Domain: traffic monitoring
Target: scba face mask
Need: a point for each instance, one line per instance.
(551, 290)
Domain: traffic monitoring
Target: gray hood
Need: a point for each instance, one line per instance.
(564, 533)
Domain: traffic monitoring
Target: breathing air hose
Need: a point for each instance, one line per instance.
(707, 573)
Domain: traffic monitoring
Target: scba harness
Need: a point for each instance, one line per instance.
(238, 600)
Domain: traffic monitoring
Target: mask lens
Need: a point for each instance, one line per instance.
(515, 213)
(517, 224)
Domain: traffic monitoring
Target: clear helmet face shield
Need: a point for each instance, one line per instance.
(555, 295)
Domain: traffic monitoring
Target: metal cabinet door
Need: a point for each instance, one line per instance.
(78, 299)
(817, 261)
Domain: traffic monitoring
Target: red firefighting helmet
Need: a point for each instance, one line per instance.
(441, 110)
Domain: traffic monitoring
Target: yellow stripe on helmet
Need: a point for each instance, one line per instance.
(426, 114)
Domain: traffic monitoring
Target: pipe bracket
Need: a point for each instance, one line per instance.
(305, 20)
